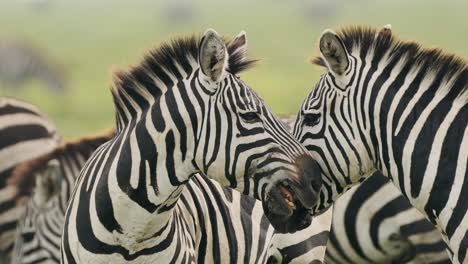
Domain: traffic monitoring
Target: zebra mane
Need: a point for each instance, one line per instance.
(177, 58)
(367, 39)
(23, 177)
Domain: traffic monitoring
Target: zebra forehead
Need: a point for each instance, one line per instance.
(244, 96)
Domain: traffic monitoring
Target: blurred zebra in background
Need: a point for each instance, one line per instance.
(320, 12)
(21, 62)
(25, 133)
(374, 223)
(51, 178)
(178, 12)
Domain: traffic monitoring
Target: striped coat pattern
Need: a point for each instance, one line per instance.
(40, 229)
(374, 223)
(396, 107)
(25, 133)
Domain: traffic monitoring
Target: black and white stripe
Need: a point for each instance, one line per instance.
(25, 133)
(21, 62)
(373, 223)
(51, 177)
(392, 106)
(182, 111)
(40, 229)
(251, 236)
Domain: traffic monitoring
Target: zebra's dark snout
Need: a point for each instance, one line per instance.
(289, 200)
(309, 183)
(284, 211)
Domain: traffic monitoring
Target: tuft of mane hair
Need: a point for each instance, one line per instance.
(367, 39)
(23, 178)
(169, 58)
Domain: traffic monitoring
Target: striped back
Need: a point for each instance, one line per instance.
(25, 133)
(50, 178)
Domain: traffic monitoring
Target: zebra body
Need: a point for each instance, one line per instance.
(227, 217)
(374, 223)
(392, 106)
(20, 63)
(25, 133)
(180, 112)
(39, 231)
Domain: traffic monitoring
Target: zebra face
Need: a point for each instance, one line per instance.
(242, 144)
(326, 126)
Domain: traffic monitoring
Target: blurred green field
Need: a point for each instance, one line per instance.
(88, 37)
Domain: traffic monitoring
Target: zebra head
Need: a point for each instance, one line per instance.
(242, 144)
(329, 124)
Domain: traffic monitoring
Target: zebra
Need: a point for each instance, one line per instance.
(21, 62)
(305, 246)
(178, 12)
(25, 133)
(394, 230)
(40, 228)
(54, 175)
(183, 104)
(396, 107)
(374, 223)
(49, 180)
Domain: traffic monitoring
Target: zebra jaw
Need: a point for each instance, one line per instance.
(284, 210)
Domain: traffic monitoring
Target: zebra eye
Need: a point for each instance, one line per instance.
(250, 117)
(311, 119)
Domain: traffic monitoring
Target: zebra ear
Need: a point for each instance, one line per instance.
(333, 52)
(212, 56)
(48, 183)
(386, 31)
(238, 46)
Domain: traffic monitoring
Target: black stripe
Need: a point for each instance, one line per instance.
(22, 133)
(9, 109)
(174, 111)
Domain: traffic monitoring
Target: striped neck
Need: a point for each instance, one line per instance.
(406, 117)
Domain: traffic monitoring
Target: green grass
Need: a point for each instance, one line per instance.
(88, 38)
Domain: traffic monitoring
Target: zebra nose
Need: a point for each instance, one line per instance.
(310, 181)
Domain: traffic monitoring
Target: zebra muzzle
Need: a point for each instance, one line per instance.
(284, 211)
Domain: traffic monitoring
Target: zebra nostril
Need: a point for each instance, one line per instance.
(316, 184)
